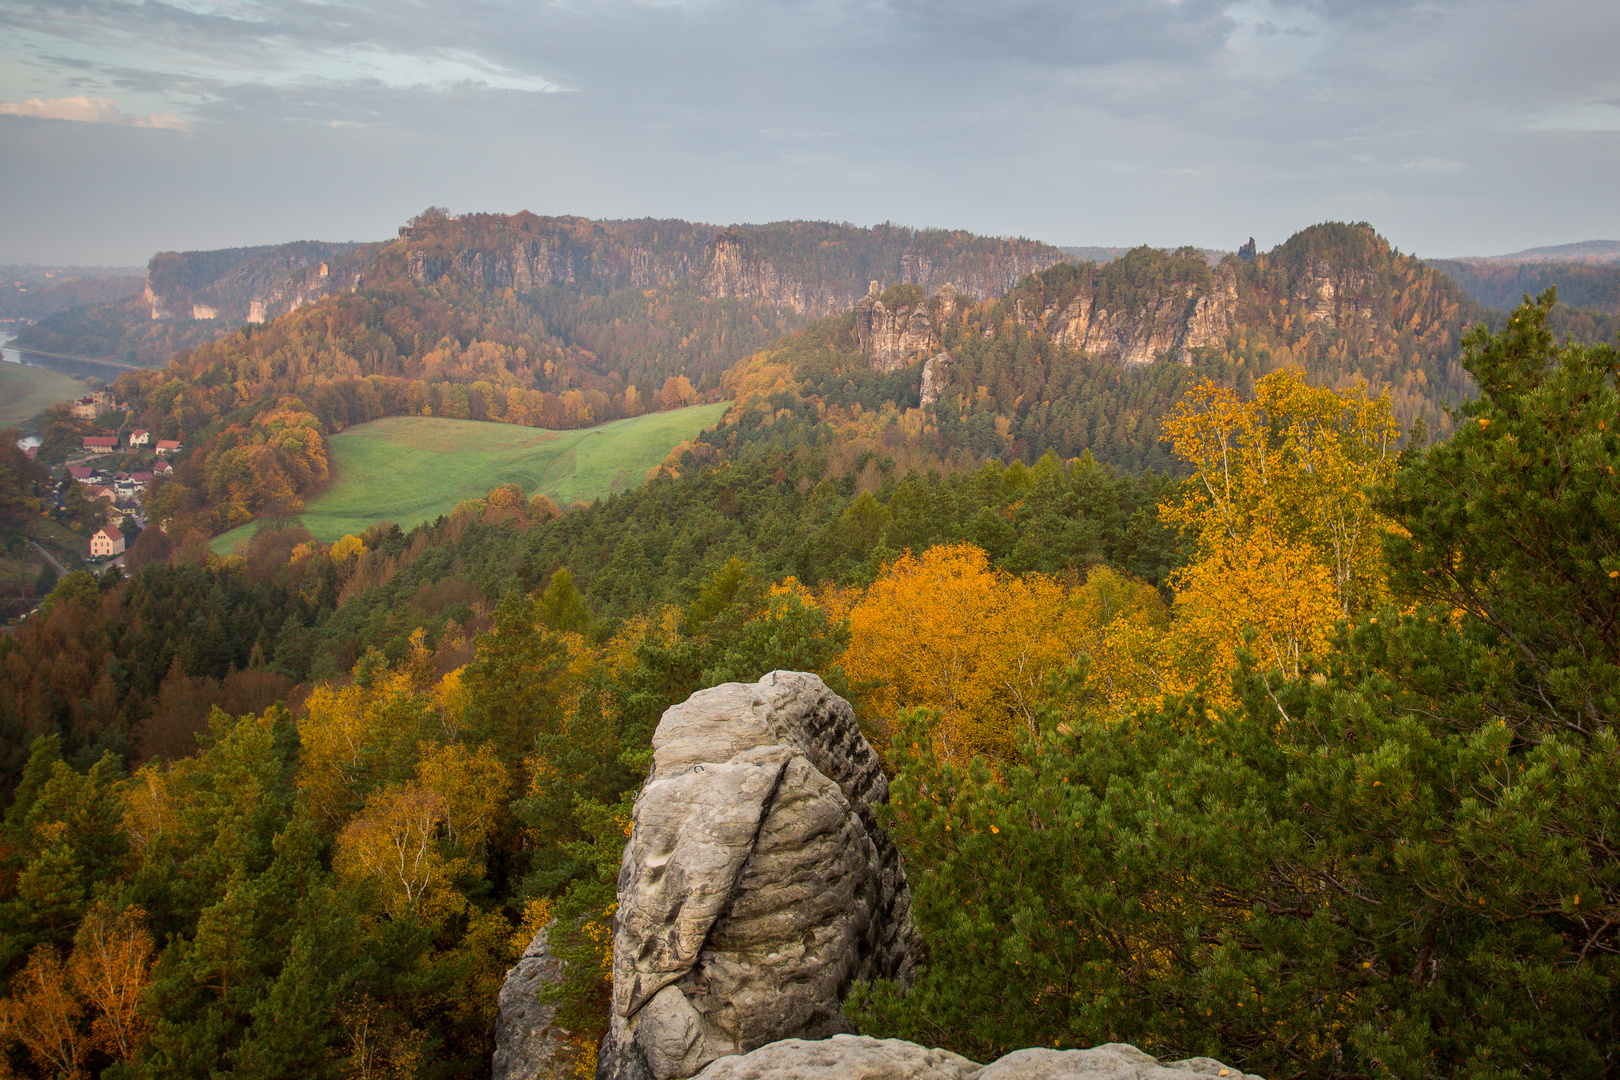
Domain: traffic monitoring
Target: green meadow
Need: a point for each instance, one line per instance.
(25, 391)
(411, 469)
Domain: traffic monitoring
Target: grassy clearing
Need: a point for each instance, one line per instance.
(26, 391)
(410, 469)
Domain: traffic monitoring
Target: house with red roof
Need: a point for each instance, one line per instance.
(106, 542)
(167, 447)
(101, 444)
(140, 437)
(80, 473)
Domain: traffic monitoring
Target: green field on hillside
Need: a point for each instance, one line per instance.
(410, 469)
(25, 391)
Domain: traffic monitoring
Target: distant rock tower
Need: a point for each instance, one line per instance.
(1246, 252)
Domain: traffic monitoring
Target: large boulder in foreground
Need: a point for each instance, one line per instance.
(851, 1057)
(756, 884)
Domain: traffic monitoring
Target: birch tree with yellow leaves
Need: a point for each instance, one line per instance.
(1285, 536)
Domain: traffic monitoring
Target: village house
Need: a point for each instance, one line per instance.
(167, 447)
(162, 468)
(106, 542)
(83, 474)
(140, 437)
(101, 444)
(101, 491)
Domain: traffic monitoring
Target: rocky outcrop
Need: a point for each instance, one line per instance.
(817, 268)
(891, 338)
(1337, 296)
(735, 271)
(528, 1044)
(1173, 322)
(756, 884)
(843, 1057)
(532, 253)
(936, 376)
(848, 1057)
(255, 284)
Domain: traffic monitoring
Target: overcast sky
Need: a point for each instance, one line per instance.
(133, 126)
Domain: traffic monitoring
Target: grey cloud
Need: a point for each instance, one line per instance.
(1103, 121)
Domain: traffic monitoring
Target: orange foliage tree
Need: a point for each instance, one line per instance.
(946, 632)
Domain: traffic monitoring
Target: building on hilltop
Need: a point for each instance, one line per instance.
(96, 405)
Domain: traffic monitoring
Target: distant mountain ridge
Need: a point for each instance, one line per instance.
(1585, 251)
(806, 267)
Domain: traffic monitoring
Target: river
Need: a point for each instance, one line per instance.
(66, 365)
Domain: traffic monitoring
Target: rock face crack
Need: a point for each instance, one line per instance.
(756, 884)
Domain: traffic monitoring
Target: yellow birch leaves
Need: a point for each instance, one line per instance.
(944, 631)
(1286, 540)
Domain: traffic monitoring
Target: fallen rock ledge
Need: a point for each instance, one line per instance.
(856, 1057)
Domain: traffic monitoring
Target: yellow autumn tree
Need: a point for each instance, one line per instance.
(1286, 539)
(353, 737)
(111, 965)
(944, 631)
(1121, 634)
(44, 1013)
(392, 844)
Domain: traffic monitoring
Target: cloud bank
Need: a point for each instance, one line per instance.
(89, 110)
(1454, 126)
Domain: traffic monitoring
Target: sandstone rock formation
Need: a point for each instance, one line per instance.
(746, 262)
(849, 1057)
(1174, 323)
(756, 884)
(251, 284)
(1336, 296)
(528, 1045)
(843, 1057)
(892, 338)
(555, 260)
(735, 271)
(936, 376)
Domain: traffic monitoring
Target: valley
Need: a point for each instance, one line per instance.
(26, 390)
(412, 469)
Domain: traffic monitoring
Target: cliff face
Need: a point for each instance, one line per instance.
(1181, 318)
(255, 284)
(893, 337)
(525, 251)
(735, 271)
(815, 268)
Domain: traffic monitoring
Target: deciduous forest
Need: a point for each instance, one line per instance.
(1260, 705)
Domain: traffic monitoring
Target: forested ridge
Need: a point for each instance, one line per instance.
(566, 323)
(1267, 732)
